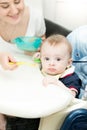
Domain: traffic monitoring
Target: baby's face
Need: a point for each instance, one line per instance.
(54, 59)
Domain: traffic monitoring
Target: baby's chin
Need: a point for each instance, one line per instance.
(52, 74)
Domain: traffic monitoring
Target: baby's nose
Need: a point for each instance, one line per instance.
(52, 63)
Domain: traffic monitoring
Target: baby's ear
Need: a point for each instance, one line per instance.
(36, 57)
(70, 62)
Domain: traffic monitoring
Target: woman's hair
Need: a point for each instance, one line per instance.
(58, 39)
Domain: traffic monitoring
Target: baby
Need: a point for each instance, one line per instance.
(56, 64)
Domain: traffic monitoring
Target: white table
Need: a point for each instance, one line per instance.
(23, 95)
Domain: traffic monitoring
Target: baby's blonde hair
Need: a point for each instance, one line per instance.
(57, 39)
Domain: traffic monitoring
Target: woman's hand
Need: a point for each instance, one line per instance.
(5, 59)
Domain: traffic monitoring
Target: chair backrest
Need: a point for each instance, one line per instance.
(53, 28)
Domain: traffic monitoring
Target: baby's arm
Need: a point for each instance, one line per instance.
(52, 80)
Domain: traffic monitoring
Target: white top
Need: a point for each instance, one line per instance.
(36, 26)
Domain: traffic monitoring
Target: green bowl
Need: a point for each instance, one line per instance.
(27, 43)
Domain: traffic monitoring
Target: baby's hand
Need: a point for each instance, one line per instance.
(52, 80)
(49, 80)
(36, 55)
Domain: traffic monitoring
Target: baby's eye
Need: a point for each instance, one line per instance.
(46, 58)
(58, 59)
(17, 1)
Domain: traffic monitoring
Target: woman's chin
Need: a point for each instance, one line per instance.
(15, 21)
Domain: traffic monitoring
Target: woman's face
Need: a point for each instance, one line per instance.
(11, 11)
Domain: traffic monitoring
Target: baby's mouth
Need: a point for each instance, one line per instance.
(52, 69)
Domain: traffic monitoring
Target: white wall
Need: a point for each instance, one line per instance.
(35, 3)
(48, 8)
(69, 13)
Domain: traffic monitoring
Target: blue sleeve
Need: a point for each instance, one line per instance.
(78, 40)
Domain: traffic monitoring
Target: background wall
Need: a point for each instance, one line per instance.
(69, 13)
(35, 3)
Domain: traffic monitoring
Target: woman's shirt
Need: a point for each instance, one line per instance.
(36, 25)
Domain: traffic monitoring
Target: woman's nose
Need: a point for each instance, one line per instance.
(13, 10)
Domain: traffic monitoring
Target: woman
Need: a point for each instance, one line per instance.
(17, 19)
